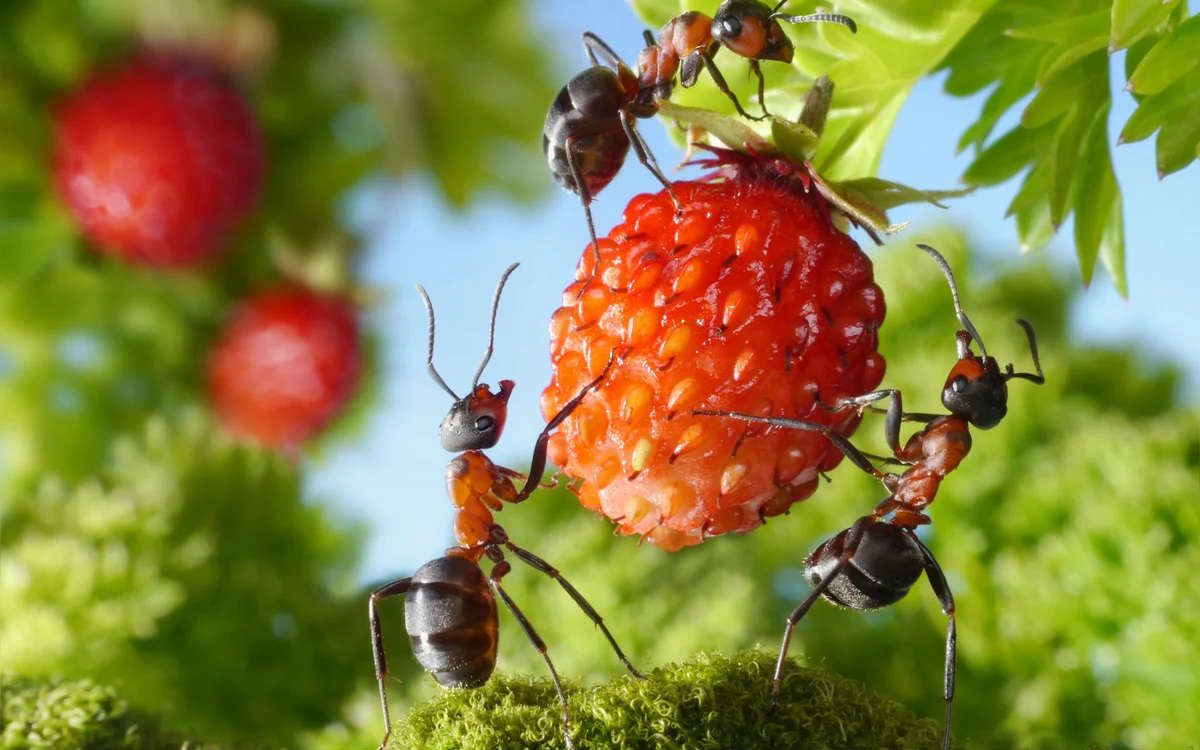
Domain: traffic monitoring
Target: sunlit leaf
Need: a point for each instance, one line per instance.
(1169, 59)
(1099, 202)
(1177, 142)
(1133, 19)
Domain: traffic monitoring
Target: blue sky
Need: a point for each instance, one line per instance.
(390, 476)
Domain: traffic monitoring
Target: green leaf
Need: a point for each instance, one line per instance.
(1034, 189)
(1177, 143)
(886, 194)
(1099, 231)
(1064, 158)
(1133, 19)
(1169, 59)
(1004, 158)
(1156, 109)
(1034, 226)
(1056, 95)
(897, 44)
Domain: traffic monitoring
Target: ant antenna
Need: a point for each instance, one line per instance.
(1039, 378)
(846, 21)
(429, 357)
(487, 355)
(958, 311)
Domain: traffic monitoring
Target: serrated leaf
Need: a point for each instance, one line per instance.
(1168, 60)
(1177, 143)
(1007, 93)
(1034, 190)
(1063, 58)
(1034, 227)
(1064, 159)
(1098, 225)
(1133, 19)
(1155, 110)
(1065, 31)
(1005, 157)
(1055, 97)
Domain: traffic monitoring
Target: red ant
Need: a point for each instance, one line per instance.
(592, 121)
(449, 605)
(876, 561)
(748, 28)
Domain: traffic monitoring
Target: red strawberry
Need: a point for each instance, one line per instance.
(158, 160)
(284, 365)
(753, 302)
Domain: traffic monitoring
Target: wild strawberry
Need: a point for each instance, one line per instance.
(158, 160)
(284, 365)
(754, 301)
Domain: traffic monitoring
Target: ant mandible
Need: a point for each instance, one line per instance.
(748, 28)
(876, 561)
(449, 605)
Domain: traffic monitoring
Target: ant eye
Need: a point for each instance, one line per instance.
(484, 423)
(959, 384)
(731, 26)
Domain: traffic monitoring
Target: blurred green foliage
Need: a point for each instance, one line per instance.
(1058, 53)
(1066, 538)
(140, 546)
(79, 714)
(710, 701)
(192, 575)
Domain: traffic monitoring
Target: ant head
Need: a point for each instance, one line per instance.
(976, 389)
(476, 420)
(749, 29)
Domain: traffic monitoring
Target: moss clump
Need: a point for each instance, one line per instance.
(712, 701)
(74, 715)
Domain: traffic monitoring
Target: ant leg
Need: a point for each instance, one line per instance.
(724, 87)
(499, 570)
(646, 157)
(941, 589)
(545, 567)
(895, 413)
(854, 454)
(762, 85)
(395, 588)
(595, 45)
(585, 196)
(537, 464)
(851, 546)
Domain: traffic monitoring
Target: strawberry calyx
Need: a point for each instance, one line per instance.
(790, 151)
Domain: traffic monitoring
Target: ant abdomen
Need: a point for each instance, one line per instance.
(882, 569)
(450, 615)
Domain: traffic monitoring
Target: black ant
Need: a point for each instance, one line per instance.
(748, 28)
(591, 125)
(592, 121)
(876, 561)
(449, 605)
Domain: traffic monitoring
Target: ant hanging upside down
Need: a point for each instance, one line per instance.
(592, 122)
(449, 605)
(876, 561)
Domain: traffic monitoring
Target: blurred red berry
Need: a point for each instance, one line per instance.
(754, 301)
(158, 160)
(285, 365)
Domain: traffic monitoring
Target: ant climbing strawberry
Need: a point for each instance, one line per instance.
(592, 121)
(450, 605)
(876, 560)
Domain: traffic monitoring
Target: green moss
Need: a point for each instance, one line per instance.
(712, 701)
(75, 715)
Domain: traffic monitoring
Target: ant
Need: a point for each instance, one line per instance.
(592, 121)
(449, 604)
(876, 561)
(748, 28)
(591, 125)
